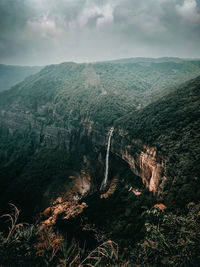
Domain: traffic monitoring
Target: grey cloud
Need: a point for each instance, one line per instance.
(50, 31)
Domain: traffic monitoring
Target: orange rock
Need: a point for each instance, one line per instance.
(47, 212)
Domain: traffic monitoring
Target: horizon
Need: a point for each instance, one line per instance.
(44, 32)
(108, 60)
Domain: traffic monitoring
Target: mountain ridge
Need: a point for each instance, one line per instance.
(70, 107)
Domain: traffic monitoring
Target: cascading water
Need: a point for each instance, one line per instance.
(107, 159)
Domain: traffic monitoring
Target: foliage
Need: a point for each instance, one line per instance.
(170, 239)
(29, 245)
(45, 125)
(42, 121)
(15, 247)
(124, 223)
(172, 126)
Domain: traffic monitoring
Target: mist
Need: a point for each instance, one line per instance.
(40, 32)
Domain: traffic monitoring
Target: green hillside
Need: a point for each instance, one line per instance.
(55, 109)
(171, 124)
(53, 140)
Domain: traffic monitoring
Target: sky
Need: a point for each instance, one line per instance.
(41, 32)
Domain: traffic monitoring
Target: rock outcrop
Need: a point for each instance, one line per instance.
(61, 209)
(148, 166)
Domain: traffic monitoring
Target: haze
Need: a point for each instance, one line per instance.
(40, 32)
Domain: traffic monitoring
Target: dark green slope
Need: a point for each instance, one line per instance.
(11, 75)
(172, 125)
(70, 92)
(54, 124)
(44, 122)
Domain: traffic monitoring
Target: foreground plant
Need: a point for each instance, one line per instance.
(107, 251)
(171, 239)
(16, 246)
(27, 245)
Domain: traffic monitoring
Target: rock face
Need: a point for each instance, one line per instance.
(111, 189)
(148, 166)
(54, 125)
(70, 108)
(144, 163)
(62, 210)
(81, 186)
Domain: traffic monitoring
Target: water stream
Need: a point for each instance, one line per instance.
(103, 185)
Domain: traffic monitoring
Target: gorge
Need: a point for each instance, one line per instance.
(88, 148)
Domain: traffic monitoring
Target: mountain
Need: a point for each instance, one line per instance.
(150, 60)
(160, 143)
(57, 121)
(11, 75)
(154, 60)
(171, 126)
(54, 129)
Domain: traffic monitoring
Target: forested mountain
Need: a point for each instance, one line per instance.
(54, 129)
(171, 125)
(71, 106)
(10, 75)
(88, 87)
(151, 60)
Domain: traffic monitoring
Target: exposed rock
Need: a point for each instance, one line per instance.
(111, 188)
(147, 166)
(136, 192)
(62, 210)
(80, 187)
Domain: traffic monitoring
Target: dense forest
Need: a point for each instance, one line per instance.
(171, 124)
(53, 142)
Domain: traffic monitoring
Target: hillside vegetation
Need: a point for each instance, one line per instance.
(53, 108)
(53, 132)
(171, 124)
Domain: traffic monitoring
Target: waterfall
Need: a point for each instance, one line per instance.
(107, 159)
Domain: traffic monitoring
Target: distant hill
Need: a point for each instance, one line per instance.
(152, 60)
(11, 75)
(95, 91)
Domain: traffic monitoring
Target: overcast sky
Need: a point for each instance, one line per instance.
(40, 32)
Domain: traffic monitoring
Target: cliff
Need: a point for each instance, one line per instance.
(54, 125)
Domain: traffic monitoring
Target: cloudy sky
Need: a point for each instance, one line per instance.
(39, 32)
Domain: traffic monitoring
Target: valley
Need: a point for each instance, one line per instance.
(90, 149)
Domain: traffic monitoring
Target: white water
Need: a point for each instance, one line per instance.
(107, 159)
